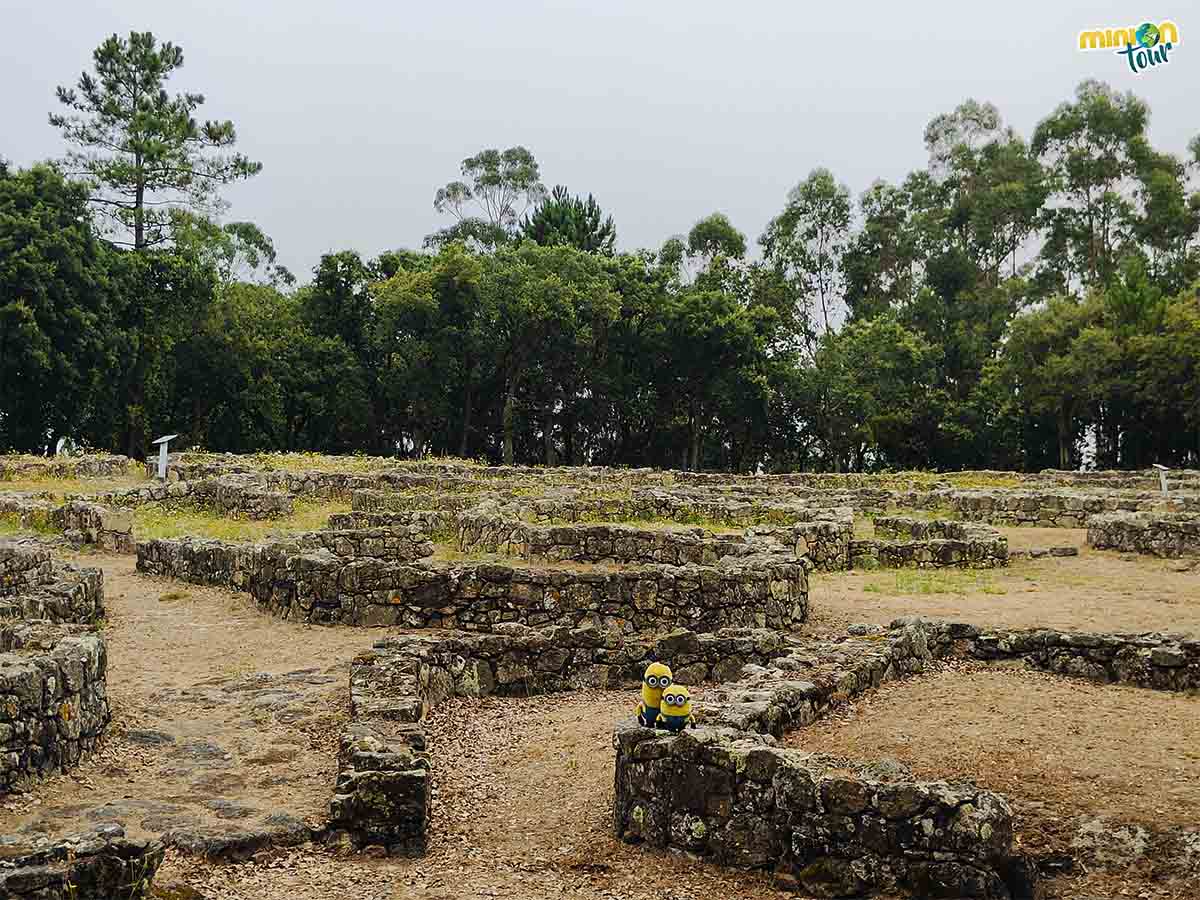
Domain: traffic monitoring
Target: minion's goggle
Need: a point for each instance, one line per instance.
(658, 681)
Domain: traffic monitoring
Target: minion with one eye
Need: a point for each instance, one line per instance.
(656, 679)
(675, 713)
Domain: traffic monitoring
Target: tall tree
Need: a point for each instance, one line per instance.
(561, 219)
(142, 147)
(806, 244)
(1091, 147)
(502, 186)
(56, 330)
(714, 236)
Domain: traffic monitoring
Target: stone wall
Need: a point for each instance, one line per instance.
(796, 689)
(320, 587)
(724, 791)
(930, 544)
(382, 796)
(1045, 508)
(91, 523)
(378, 501)
(1155, 535)
(824, 538)
(520, 661)
(82, 522)
(429, 521)
(92, 466)
(1166, 662)
(673, 506)
(53, 692)
(822, 827)
(33, 585)
(53, 703)
(231, 495)
(100, 864)
(494, 529)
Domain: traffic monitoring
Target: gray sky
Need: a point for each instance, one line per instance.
(665, 110)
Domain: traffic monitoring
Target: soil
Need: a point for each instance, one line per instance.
(1064, 752)
(223, 717)
(523, 796)
(1098, 590)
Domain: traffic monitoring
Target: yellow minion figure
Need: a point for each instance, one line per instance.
(675, 713)
(655, 680)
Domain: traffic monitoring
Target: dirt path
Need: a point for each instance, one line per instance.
(225, 719)
(524, 796)
(1067, 754)
(1098, 590)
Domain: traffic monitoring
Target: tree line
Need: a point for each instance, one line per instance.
(1016, 303)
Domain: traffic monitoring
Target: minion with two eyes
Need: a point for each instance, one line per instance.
(656, 679)
(675, 713)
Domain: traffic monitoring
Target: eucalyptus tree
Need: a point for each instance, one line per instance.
(497, 188)
(806, 244)
(143, 148)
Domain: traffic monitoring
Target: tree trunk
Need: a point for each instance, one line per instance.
(1064, 444)
(693, 452)
(139, 208)
(507, 419)
(466, 421)
(548, 435)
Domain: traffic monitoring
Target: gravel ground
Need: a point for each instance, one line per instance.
(1068, 754)
(522, 806)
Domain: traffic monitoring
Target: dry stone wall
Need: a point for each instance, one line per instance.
(1045, 508)
(930, 544)
(382, 796)
(496, 530)
(232, 495)
(1154, 535)
(1165, 662)
(319, 587)
(33, 585)
(101, 864)
(93, 466)
(824, 539)
(53, 691)
(734, 798)
(82, 522)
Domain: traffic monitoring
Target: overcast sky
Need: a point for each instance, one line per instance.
(665, 110)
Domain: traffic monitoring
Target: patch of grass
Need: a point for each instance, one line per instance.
(37, 522)
(864, 527)
(927, 480)
(155, 521)
(58, 488)
(937, 581)
(357, 463)
(171, 596)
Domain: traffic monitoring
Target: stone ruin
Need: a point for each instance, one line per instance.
(1153, 534)
(709, 574)
(53, 710)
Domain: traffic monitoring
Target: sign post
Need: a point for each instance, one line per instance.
(1162, 477)
(162, 454)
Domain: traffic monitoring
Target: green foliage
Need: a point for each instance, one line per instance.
(54, 311)
(1010, 304)
(715, 236)
(806, 244)
(561, 219)
(486, 209)
(142, 146)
